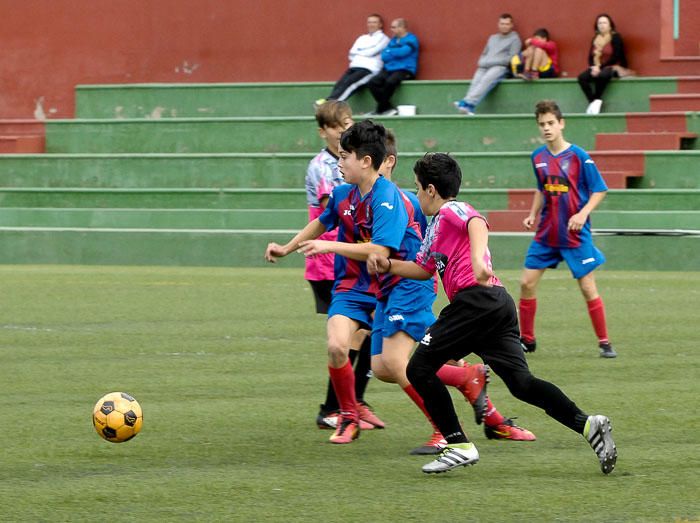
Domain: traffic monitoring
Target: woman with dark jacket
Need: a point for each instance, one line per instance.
(606, 60)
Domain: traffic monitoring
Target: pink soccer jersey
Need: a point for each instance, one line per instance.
(446, 248)
(322, 176)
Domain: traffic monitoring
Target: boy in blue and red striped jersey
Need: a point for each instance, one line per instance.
(480, 318)
(569, 188)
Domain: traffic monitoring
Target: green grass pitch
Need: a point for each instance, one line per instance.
(229, 367)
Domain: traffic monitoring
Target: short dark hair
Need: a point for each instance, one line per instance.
(548, 106)
(390, 144)
(366, 138)
(332, 113)
(542, 33)
(440, 170)
(507, 15)
(606, 15)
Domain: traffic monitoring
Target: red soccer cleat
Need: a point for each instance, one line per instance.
(474, 390)
(346, 431)
(433, 446)
(508, 430)
(368, 417)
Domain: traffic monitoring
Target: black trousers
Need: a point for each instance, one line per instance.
(351, 81)
(383, 85)
(483, 320)
(594, 86)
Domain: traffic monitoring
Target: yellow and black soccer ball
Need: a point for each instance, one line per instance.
(117, 417)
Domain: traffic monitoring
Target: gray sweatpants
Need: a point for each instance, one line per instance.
(484, 80)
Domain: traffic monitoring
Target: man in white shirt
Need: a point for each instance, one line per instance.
(365, 61)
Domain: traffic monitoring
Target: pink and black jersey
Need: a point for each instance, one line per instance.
(382, 217)
(567, 181)
(446, 248)
(322, 176)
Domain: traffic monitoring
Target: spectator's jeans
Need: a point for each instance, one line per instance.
(383, 86)
(485, 79)
(600, 82)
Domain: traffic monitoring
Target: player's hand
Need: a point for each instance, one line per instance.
(529, 222)
(595, 70)
(483, 274)
(377, 264)
(274, 251)
(313, 247)
(577, 221)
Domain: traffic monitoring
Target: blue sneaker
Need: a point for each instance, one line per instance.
(464, 108)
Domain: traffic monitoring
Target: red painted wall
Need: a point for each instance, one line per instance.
(49, 46)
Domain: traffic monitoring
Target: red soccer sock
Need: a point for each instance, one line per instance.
(493, 417)
(415, 397)
(596, 310)
(528, 308)
(343, 380)
(452, 376)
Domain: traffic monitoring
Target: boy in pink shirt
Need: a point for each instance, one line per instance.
(481, 318)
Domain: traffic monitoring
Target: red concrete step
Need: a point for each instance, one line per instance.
(21, 127)
(669, 122)
(641, 141)
(22, 144)
(675, 102)
(619, 160)
(506, 221)
(618, 179)
(520, 199)
(688, 84)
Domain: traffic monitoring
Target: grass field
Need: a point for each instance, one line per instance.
(229, 367)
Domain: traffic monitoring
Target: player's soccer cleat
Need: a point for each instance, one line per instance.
(453, 456)
(528, 346)
(318, 103)
(433, 446)
(327, 420)
(508, 430)
(346, 431)
(606, 350)
(474, 390)
(368, 417)
(464, 108)
(597, 433)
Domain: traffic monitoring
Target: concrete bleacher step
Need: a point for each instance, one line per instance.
(688, 84)
(158, 101)
(512, 220)
(245, 248)
(668, 121)
(497, 133)
(642, 141)
(19, 136)
(675, 102)
(154, 218)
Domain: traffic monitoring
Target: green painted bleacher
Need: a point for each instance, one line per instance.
(294, 99)
(663, 169)
(496, 133)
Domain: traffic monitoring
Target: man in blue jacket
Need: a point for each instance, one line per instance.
(400, 63)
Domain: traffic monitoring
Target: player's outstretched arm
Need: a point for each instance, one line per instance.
(378, 264)
(313, 230)
(354, 251)
(535, 208)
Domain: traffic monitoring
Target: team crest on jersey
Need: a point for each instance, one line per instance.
(440, 262)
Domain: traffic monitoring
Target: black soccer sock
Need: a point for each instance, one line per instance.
(363, 368)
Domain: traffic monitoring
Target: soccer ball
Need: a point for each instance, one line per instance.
(117, 417)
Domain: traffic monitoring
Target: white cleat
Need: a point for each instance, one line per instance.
(455, 455)
(597, 433)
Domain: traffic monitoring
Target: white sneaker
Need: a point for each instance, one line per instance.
(594, 107)
(390, 112)
(455, 455)
(597, 433)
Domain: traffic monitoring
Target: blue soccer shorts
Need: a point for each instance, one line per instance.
(354, 305)
(408, 308)
(581, 260)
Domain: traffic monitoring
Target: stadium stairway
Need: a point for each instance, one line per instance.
(207, 174)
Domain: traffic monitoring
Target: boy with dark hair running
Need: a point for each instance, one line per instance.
(569, 188)
(480, 318)
(322, 176)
